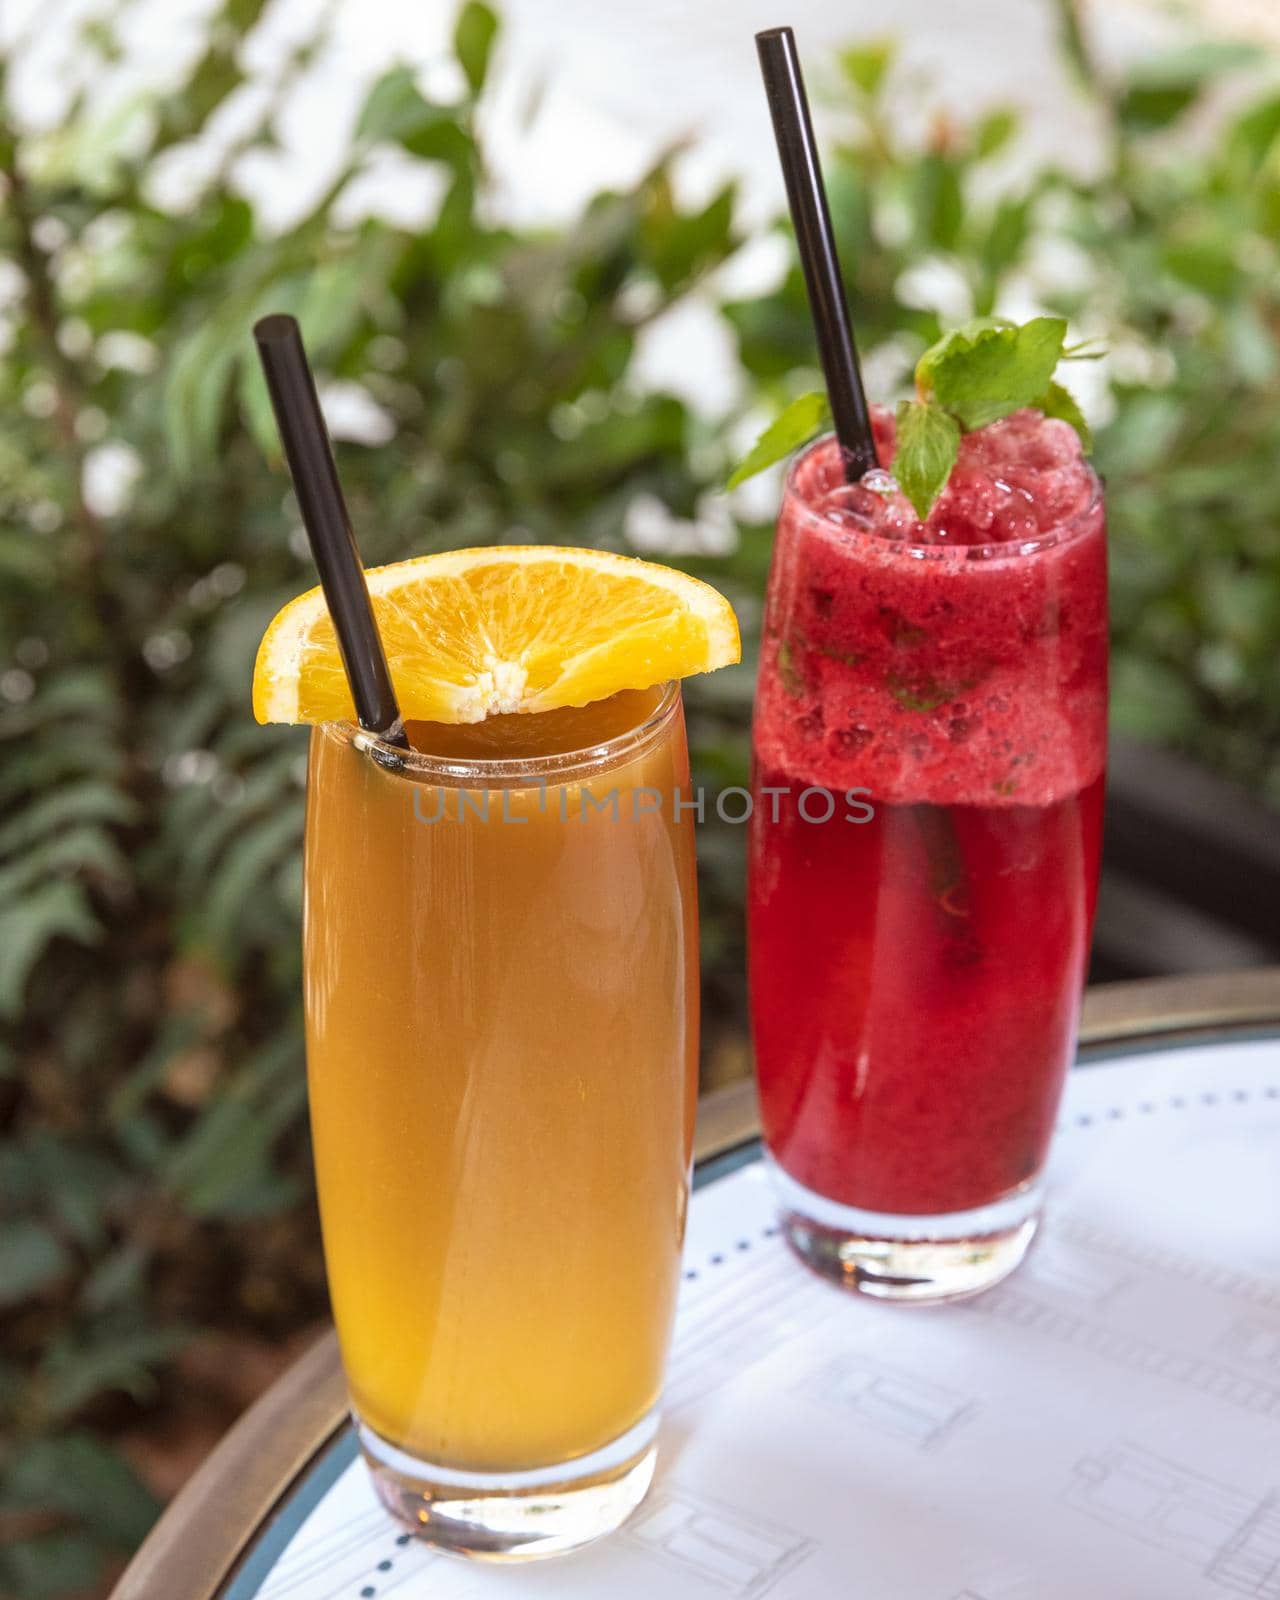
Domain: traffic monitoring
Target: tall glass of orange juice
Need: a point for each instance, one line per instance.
(502, 1017)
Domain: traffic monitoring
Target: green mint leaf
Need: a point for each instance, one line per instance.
(928, 444)
(957, 342)
(1061, 403)
(801, 420)
(919, 694)
(987, 369)
(792, 677)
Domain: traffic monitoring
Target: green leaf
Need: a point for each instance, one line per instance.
(196, 386)
(1072, 44)
(31, 1259)
(76, 1181)
(396, 112)
(267, 786)
(230, 891)
(81, 849)
(80, 1477)
(51, 1566)
(223, 1166)
(243, 14)
(441, 139)
(81, 692)
(227, 1171)
(928, 444)
(107, 1363)
(118, 1279)
(867, 65)
(1146, 107)
(1061, 403)
(473, 36)
(680, 246)
(393, 107)
(986, 370)
(994, 132)
(56, 910)
(1199, 63)
(796, 425)
(63, 754)
(88, 801)
(958, 341)
(937, 202)
(1208, 262)
(1161, 89)
(1004, 240)
(1254, 135)
(1252, 351)
(256, 411)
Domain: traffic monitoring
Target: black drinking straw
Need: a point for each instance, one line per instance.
(324, 516)
(807, 197)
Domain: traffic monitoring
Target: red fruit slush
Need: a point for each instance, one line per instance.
(916, 978)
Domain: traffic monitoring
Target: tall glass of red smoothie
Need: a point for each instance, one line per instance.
(929, 748)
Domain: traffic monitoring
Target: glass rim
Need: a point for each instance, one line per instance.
(508, 771)
(979, 555)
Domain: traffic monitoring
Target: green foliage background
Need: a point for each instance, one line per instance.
(153, 1160)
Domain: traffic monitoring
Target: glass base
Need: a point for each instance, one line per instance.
(514, 1516)
(892, 1257)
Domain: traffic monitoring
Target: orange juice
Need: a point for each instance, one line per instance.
(502, 1015)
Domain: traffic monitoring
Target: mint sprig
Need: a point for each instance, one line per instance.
(801, 421)
(928, 444)
(988, 369)
(971, 377)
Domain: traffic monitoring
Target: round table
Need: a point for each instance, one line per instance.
(224, 1529)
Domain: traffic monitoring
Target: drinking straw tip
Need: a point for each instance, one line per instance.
(275, 328)
(292, 389)
(816, 243)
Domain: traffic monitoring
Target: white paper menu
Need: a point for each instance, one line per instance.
(1106, 1424)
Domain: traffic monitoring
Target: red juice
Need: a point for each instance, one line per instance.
(917, 956)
